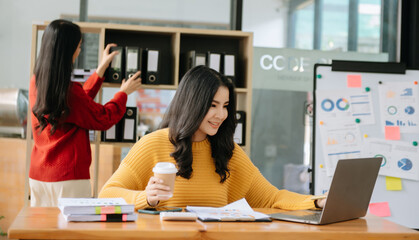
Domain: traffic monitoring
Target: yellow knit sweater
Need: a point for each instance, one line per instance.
(204, 187)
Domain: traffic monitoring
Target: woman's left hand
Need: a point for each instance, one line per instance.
(106, 59)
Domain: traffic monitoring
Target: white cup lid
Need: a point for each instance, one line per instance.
(165, 168)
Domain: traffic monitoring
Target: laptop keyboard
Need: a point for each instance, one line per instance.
(303, 215)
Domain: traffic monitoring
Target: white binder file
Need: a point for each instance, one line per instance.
(214, 61)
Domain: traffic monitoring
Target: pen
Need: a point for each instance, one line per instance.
(318, 197)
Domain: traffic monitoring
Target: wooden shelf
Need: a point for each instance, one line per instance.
(242, 90)
(118, 144)
(145, 86)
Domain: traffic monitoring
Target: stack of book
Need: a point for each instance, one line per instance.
(96, 209)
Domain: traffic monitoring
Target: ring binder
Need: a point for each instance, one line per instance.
(115, 74)
(214, 61)
(129, 125)
(240, 132)
(151, 64)
(132, 60)
(125, 130)
(228, 67)
(194, 59)
(110, 135)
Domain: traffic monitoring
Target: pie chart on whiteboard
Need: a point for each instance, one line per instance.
(405, 164)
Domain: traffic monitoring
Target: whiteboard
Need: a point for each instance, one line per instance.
(366, 123)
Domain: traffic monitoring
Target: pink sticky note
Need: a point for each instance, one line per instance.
(354, 81)
(107, 210)
(392, 132)
(380, 209)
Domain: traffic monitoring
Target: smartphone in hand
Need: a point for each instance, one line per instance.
(158, 210)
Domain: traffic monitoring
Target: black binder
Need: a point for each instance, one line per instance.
(125, 130)
(115, 71)
(128, 125)
(151, 66)
(240, 132)
(110, 135)
(133, 57)
(194, 59)
(228, 67)
(214, 61)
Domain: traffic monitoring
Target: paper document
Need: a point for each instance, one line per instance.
(236, 211)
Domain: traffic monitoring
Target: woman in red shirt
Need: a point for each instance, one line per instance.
(62, 114)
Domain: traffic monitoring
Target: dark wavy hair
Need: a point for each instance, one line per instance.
(52, 72)
(186, 112)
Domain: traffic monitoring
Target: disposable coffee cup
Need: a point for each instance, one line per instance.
(167, 172)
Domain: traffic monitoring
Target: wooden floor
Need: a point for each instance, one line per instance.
(12, 175)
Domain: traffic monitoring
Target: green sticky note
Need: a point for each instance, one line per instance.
(118, 209)
(97, 210)
(393, 184)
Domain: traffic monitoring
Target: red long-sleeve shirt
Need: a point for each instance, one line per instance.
(66, 154)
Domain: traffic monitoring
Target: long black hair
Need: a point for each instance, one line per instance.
(53, 69)
(186, 112)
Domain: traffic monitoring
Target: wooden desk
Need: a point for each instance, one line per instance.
(47, 223)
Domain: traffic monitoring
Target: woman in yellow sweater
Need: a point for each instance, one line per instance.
(197, 136)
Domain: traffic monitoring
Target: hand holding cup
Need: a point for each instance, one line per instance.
(161, 186)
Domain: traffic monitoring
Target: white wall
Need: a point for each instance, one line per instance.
(16, 17)
(266, 18)
(213, 11)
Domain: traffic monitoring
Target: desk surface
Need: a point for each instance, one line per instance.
(48, 223)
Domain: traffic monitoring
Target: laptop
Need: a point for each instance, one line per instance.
(348, 197)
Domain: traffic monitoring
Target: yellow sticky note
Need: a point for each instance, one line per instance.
(393, 184)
